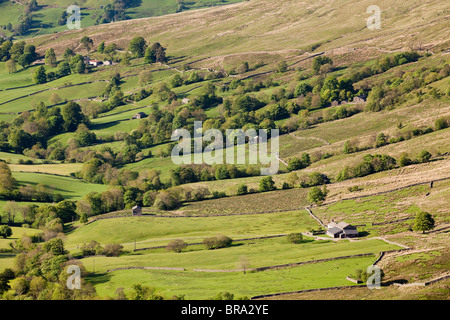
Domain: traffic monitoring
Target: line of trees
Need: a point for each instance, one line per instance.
(376, 163)
(33, 129)
(17, 53)
(10, 190)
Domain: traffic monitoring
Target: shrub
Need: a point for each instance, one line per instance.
(317, 178)
(209, 243)
(424, 156)
(266, 184)
(441, 123)
(295, 164)
(224, 296)
(177, 245)
(242, 189)
(363, 169)
(381, 140)
(404, 161)
(200, 193)
(315, 195)
(218, 194)
(166, 201)
(347, 148)
(294, 238)
(217, 242)
(223, 241)
(5, 231)
(113, 250)
(91, 249)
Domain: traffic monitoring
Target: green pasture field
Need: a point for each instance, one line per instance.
(259, 253)
(69, 188)
(162, 164)
(205, 285)
(130, 229)
(108, 125)
(14, 157)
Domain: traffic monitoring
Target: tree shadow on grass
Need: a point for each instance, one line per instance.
(105, 125)
(98, 278)
(391, 282)
(362, 234)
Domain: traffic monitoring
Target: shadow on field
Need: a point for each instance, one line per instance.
(105, 125)
(98, 278)
(391, 282)
(363, 234)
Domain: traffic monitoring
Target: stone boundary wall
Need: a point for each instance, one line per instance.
(353, 280)
(146, 268)
(437, 279)
(315, 218)
(382, 253)
(422, 284)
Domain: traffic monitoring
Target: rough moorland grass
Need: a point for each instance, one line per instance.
(200, 285)
(436, 291)
(279, 200)
(239, 28)
(45, 19)
(383, 209)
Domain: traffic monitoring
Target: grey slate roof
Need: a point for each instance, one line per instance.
(334, 230)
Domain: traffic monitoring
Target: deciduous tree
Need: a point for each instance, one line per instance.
(423, 222)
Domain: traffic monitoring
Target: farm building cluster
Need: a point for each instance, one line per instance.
(96, 63)
(341, 230)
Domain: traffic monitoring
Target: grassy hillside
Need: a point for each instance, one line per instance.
(45, 17)
(267, 25)
(70, 188)
(152, 231)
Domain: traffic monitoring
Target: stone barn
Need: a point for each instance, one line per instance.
(360, 99)
(137, 210)
(341, 230)
(139, 115)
